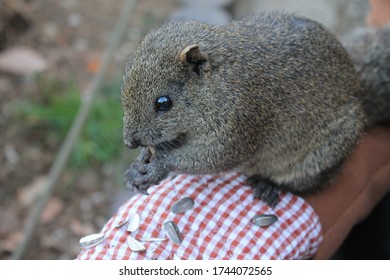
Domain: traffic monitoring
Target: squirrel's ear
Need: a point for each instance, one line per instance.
(192, 55)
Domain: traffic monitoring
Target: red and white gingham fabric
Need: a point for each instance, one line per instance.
(217, 227)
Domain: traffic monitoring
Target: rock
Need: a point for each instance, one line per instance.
(21, 61)
(27, 195)
(53, 208)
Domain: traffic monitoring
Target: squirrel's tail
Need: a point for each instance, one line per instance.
(369, 49)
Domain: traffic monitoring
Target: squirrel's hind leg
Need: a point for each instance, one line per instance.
(264, 189)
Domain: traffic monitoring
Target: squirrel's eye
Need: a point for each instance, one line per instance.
(163, 103)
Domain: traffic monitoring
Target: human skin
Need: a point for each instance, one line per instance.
(363, 181)
(380, 13)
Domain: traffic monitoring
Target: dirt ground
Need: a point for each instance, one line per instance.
(68, 37)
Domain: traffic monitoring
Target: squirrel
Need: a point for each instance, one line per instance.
(274, 96)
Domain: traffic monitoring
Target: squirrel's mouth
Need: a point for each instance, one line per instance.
(173, 144)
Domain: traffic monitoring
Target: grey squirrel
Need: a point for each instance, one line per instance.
(275, 96)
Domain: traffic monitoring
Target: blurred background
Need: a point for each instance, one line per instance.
(49, 51)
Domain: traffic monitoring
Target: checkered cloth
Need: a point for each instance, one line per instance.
(219, 225)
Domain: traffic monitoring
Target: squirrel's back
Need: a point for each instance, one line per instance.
(368, 48)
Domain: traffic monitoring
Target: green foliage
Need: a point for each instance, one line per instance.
(100, 140)
(102, 136)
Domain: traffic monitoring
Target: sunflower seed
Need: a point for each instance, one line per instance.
(134, 222)
(135, 245)
(182, 205)
(264, 220)
(152, 150)
(91, 240)
(173, 232)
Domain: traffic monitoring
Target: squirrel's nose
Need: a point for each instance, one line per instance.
(132, 143)
(132, 138)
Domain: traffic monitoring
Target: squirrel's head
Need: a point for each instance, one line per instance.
(165, 93)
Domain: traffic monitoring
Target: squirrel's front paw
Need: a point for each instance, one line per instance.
(264, 190)
(144, 172)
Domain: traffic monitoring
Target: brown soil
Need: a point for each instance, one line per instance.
(71, 37)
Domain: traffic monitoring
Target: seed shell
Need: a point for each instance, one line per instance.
(152, 239)
(91, 240)
(122, 223)
(264, 220)
(135, 245)
(173, 232)
(152, 150)
(182, 205)
(134, 223)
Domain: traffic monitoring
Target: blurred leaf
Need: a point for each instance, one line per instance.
(100, 140)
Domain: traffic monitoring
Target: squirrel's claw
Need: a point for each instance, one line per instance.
(137, 178)
(144, 172)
